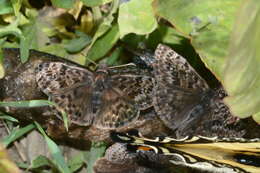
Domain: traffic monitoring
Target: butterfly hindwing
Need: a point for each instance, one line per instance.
(136, 83)
(77, 104)
(116, 110)
(130, 90)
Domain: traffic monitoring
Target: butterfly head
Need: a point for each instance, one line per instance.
(101, 73)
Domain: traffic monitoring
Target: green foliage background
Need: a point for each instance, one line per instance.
(224, 33)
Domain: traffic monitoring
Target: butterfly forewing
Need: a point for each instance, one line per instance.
(68, 86)
(57, 77)
(175, 68)
(179, 89)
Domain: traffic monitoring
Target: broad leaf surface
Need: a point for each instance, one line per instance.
(137, 17)
(207, 23)
(242, 72)
(93, 3)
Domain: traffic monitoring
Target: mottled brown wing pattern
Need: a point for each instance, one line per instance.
(219, 122)
(172, 69)
(76, 102)
(179, 90)
(56, 77)
(124, 97)
(136, 83)
(68, 86)
(108, 100)
(116, 110)
(202, 111)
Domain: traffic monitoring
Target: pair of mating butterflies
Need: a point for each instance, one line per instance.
(218, 155)
(112, 97)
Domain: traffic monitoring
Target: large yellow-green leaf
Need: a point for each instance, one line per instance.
(5, 7)
(93, 3)
(62, 3)
(242, 71)
(136, 17)
(207, 23)
(256, 117)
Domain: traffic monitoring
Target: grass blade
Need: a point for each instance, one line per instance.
(58, 159)
(8, 118)
(17, 133)
(97, 150)
(29, 103)
(35, 103)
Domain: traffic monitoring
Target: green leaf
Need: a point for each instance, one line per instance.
(29, 38)
(207, 23)
(97, 150)
(55, 49)
(242, 73)
(76, 162)
(5, 7)
(79, 43)
(8, 118)
(31, 103)
(91, 3)
(104, 44)
(40, 161)
(17, 6)
(165, 34)
(136, 17)
(24, 49)
(11, 29)
(256, 117)
(2, 69)
(113, 58)
(63, 3)
(35, 103)
(22, 165)
(27, 35)
(105, 25)
(56, 154)
(65, 120)
(16, 134)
